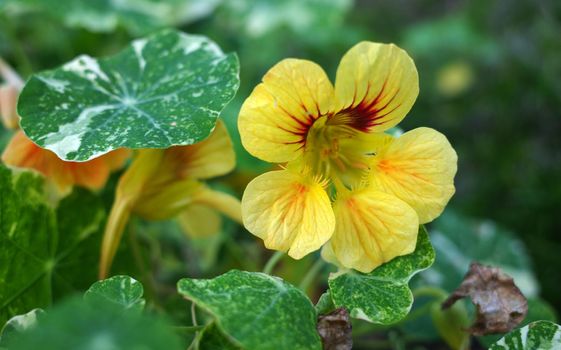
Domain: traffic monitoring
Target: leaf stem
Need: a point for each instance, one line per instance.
(272, 262)
(194, 314)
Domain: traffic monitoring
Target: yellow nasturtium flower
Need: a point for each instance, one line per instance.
(167, 183)
(345, 183)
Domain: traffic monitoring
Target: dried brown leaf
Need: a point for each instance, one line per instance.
(501, 306)
(334, 329)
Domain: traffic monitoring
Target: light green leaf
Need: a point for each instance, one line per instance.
(18, 324)
(43, 254)
(458, 241)
(382, 296)
(164, 90)
(137, 16)
(255, 310)
(121, 291)
(540, 335)
(77, 324)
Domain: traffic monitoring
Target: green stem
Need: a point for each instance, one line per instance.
(436, 293)
(273, 260)
(311, 275)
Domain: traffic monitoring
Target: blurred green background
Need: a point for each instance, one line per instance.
(490, 75)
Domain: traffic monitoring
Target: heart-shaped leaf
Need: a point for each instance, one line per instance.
(383, 295)
(542, 335)
(255, 310)
(164, 90)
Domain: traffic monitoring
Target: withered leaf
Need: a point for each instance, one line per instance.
(501, 306)
(334, 329)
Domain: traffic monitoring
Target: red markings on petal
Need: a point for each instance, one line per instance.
(368, 113)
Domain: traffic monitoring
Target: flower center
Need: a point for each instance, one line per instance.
(334, 151)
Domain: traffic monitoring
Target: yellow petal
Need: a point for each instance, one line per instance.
(209, 158)
(200, 221)
(8, 101)
(276, 117)
(418, 167)
(289, 212)
(375, 88)
(372, 228)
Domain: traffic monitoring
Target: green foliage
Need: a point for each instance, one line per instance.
(382, 296)
(138, 17)
(78, 324)
(540, 335)
(39, 249)
(256, 310)
(121, 291)
(18, 324)
(164, 90)
(458, 241)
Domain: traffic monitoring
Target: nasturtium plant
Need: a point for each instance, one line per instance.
(540, 335)
(383, 295)
(164, 90)
(315, 163)
(255, 310)
(345, 184)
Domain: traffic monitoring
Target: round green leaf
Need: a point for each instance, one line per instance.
(120, 291)
(383, 295)
(255, 310)
(540, 335)
(164, 90)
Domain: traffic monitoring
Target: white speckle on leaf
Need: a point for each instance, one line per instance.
(87, 67)
(58, 85)
(138, 46)
(68, 137)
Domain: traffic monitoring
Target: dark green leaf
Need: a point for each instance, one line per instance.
(164, 90)
(382, 296)
(40, 254)
(212, 338)
(255, 310)
(458, 241)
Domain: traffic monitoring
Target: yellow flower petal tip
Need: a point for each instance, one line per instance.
(289, 212)
(375, 87)
(419, 168)
(372, 228)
